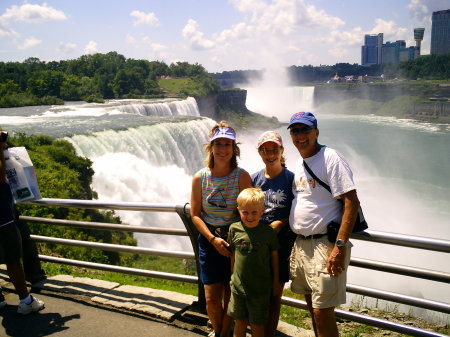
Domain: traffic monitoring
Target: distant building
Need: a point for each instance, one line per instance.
(371, 50)
(375, 51)
(418, 37)
(440, 32)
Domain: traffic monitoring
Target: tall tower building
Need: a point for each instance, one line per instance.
(371, 50)
(418, 37)
(440, 32)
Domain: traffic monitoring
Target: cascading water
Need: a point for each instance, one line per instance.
(186, 107)
(279, 101)
(151, 164)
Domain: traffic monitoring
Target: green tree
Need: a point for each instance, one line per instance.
(9, 87)
(45, 83)
(128, 81)
(71, 88)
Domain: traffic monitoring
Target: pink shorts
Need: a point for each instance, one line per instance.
(309, 275)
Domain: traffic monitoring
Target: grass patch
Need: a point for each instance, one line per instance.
(179, 86)
(165, 264)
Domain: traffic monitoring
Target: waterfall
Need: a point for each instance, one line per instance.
(151, 164)
(280, 102)
(76, 118)
(187, 107)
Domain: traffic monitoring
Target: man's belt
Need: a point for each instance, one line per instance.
(314, 236)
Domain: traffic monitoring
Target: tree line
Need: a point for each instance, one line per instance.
(432, 67)
(91, 78)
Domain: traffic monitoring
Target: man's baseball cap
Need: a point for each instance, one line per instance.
(306, 118)
(270, 136)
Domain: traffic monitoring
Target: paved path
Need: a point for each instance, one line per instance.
(76, 306)
(67, 318)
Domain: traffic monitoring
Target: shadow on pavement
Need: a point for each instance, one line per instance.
(39, 324)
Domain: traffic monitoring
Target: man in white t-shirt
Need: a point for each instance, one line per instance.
(318, 266)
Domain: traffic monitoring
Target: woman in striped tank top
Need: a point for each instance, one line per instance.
(213, 209)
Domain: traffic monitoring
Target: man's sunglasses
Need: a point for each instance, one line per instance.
(301, 131)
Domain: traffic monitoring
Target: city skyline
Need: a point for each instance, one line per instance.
(220, 35)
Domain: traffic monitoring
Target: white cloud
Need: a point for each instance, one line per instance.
(216, 60)
(195, 37)
(283, 16)
(91, 48)
(340, 39)
(29, 43)
(144, 19)
(32, 13)
(66, 48)
(6, 32)
(421, 10)
(390, 30)
(130, 40)
(237, 32)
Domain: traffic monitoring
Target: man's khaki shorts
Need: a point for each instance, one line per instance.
(309, 275)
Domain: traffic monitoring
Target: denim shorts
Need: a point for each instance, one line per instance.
(214, 267)
(10, 243)
(310, 276)
(255, 309)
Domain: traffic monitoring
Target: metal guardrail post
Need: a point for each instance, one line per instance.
(184, 213)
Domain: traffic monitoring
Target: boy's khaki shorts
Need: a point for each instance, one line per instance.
(309, 275)
(256, 310)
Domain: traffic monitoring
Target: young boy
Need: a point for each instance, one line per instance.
(254, 265)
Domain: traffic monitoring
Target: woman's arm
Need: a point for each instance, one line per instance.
(277, 225)
(245, 180)
(276, 286)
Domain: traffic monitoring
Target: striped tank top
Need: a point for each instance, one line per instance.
(219, 205)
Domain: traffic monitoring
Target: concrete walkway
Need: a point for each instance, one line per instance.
(76, 306)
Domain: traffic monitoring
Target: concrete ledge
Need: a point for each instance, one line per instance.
(75, 285)
(159, 303)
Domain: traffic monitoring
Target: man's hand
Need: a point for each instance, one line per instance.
(336, 260)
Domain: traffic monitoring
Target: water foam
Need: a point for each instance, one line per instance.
(151, 164)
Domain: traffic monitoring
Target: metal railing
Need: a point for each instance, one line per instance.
(442, 246)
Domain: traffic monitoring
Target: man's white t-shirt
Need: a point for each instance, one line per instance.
(313, 207)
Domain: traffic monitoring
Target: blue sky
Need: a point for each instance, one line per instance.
(219, 34)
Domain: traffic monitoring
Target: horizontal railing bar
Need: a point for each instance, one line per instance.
(131, 206)
(399, 298)
(115, 248)
(404, 240)
(368, 235)
(120, 269)
(401, 270)
(109, 226)
(368, 320)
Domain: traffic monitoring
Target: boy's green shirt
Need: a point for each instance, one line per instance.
(252, 274)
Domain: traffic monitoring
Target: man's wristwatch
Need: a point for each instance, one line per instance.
(340, 243)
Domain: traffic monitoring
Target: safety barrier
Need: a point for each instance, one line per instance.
(442, 246)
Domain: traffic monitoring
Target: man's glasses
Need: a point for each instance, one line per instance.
(301, 131)
(216, 199)
(265, 151)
